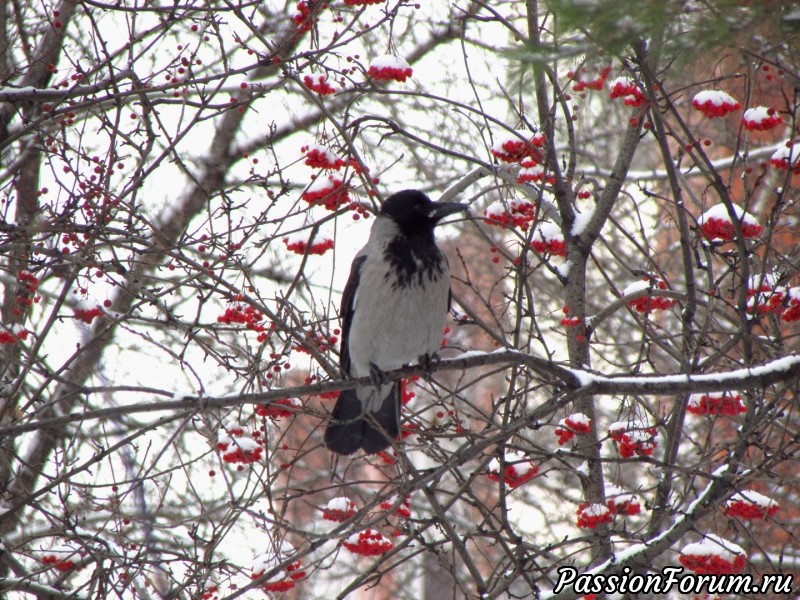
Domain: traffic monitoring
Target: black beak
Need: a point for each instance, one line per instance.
(440, 210)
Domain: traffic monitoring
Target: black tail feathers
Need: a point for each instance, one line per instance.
(351, 428)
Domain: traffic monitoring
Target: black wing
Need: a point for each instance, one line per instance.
(449, 287)
(346, 311)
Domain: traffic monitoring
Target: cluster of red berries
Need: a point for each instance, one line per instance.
(533, 172)
(339, 510)
(787, 157)
(722, 229)
(514, 147)
(519, 213)
(406, 395)
(274, 410)
(407, 430)
(569, 321)
(210, 591)
(761, 118)
(29, 280)
(624, 504)
(9, 337)
(319, 341)
(324, 395)
(519, 469)
(624, 87)
(750, 505)
(714, 556)
(719, 403)
(320, 157)
(792, 313)
(715, 103)
(329, 191)
(87, 315)
(765, 300)
(238, 448)
(389, 68)
(648, 303)
(291, 574)
(368, 543)
(247, 316)
(402, 510)
(632, 440)
(592, 515)
(26, 296)
(574, 424)
(548, 239)
(716, 223)
(319, 246)
(585, 81)
(304, 19)
(319, 83)
(62, 558)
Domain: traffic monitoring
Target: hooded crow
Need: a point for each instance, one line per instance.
(393, 312)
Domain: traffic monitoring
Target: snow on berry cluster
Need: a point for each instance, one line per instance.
(300, 242)
(368, 543)
(716, 223)
(621, 502)
(519, 469)
(319, 83)
(632, 439)
(647, 303)
(761, 118)
(518, 212)
(13, 334)
(210, 591)
(401, 509)
(764, 294)
(284, 580)
(792, 312)
(236, 447)
(275, 409)
(750, 505)
(389, 68)
(328, 191)
(714, 556)
(618, 502)
(627, 88)
(322, 157)
(591, 515)
(787, 157)
(533, 172)
(569, 427)
(339, 509)
(516, 146)
(362, 2)
(716, 403)
(548, 239)
(715, 103)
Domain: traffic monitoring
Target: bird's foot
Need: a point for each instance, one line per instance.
(376, 375)
(427, 362)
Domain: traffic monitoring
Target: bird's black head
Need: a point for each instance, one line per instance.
(415, 213)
